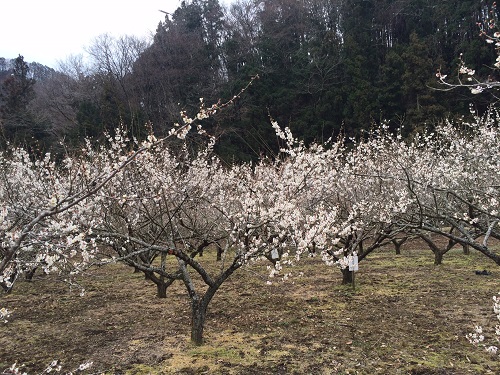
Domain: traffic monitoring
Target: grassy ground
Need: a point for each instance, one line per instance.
(406, 316)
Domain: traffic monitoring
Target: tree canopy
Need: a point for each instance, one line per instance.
(324, 67)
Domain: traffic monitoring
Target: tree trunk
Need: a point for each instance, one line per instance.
(360, 248)
(466, 249)
(199, 312)
(161, 286)
(398, 249)
(397, 245)
(161, 290)
(29, 274)
(346, 276)
(438, 258)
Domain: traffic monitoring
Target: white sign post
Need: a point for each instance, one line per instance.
(353, 263)
(353, 267)
(274, 254)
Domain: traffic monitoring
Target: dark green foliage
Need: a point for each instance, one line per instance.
(325, 66)
(18, 125)
(390, 88)
(419, 98)
(17, 90)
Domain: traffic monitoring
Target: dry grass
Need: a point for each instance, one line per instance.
(406, 316)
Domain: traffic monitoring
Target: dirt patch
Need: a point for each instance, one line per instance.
(406, 316)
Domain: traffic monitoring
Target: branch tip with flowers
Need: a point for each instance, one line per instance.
(466, 77)
(180, 130)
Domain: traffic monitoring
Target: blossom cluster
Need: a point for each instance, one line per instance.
(477, 337)
(54, 366)
(4, 314)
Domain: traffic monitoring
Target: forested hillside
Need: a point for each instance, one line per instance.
(324, 67)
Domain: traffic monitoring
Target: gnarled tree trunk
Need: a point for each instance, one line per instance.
(198, 317)
(438, 257)
(466, 249)
(398, 243)
(346, 276)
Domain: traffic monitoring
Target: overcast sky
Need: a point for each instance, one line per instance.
(46, 31)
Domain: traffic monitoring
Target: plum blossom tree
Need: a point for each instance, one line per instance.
(39, 220)
(472, 195)
(460, 191)
(158, 206)
(443, 181)
(45, 205)
(354, 195)
(166, 209)
(370, 196)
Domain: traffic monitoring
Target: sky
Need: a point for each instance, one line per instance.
(48, 31)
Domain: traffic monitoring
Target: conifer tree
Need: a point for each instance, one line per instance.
(18, 125)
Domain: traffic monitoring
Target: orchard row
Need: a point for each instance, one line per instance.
(158, 211)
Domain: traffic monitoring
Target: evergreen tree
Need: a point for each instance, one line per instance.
(17, 90)
(18, 124)
(422, 106)
(390, 88)
(183, 63)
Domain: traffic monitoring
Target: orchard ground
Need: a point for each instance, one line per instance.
(406, 316)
